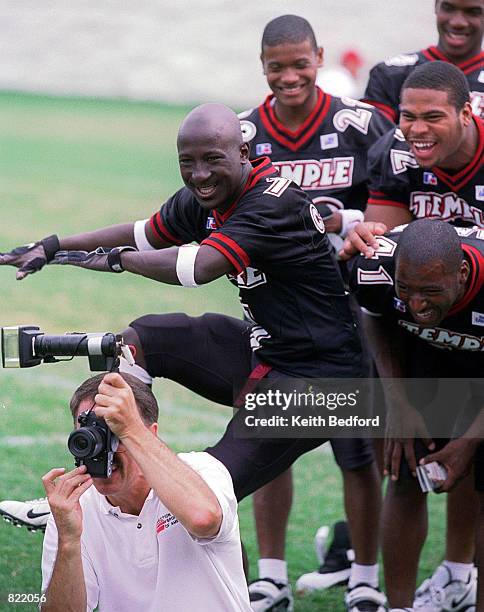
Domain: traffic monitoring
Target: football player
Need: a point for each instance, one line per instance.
(265, 233)
(432, 166)
(460, 24)
(320, 142)
(419, 298)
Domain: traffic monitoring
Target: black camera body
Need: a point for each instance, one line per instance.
(93, 444)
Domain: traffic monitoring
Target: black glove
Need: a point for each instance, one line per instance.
(101, 260)
(32, 257)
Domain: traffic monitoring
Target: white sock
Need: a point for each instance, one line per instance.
(459, 571)
(273, 568)
(135, 370)
(400, 610)
(367, 574)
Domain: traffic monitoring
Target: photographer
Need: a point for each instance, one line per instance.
(161, 521)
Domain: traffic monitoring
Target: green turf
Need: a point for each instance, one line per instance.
(68, 165)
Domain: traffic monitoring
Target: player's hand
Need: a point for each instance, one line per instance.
(100, 260)
(63, 492)
(361, 239)
(404, 425)
(456, 457)
(115, 403)
(31, 258)
(91, 260)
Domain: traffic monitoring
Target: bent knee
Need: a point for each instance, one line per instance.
(131, 338)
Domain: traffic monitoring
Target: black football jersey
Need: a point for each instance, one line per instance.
(327, 155)
(288, 282)
(396, 179)
(386, 79)
(372, 281)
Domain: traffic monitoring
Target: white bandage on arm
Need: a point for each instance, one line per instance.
(350, 217)
(140, 238)
(185, 265)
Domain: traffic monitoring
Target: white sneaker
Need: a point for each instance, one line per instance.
(267, 595)
(365, 598)
(335, 563)
(440, 593)
(32, 514)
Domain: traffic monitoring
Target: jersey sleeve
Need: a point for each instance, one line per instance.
(388, 161)
(371, 280)
(217, 477)
(49, 555)
(178, 220)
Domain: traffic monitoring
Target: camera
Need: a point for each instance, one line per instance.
(26, 346)
(93, 444)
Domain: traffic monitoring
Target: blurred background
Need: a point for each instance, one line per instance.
(186, 51)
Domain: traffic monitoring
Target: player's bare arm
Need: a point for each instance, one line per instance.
(378, 220)
(32, 257)
(404, 422)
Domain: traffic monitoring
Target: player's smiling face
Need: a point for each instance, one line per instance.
(460, 24)
(291, 70)
(213, 169)
(429, 291)
(433, 127)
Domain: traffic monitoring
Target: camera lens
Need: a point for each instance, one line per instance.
(85, 442)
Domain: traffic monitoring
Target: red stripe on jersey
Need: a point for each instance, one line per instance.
(434, 53)
(261, 167)
(232, 245)
(159, 228)
(294, 140)
(225, 252)
(388, 111)
(378, 197)
(476, 281)
(461, 178)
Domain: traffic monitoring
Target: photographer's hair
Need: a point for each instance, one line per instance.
(440, 76)
(145, 400)
(427, 240)
(288, 29)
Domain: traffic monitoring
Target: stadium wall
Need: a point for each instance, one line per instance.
(184, 51)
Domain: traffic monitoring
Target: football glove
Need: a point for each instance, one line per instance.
(101, 259)
(31, 258)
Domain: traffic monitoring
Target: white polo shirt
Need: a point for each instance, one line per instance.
(150, 563)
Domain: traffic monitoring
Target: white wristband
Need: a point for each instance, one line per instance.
(185, 265)
(349, 219)
(140, 238)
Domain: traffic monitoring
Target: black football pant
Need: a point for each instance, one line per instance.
(211, 355)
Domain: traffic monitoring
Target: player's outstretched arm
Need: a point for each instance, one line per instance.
(32, 258)
(187, 265)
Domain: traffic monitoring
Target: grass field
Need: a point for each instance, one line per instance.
(68, 165)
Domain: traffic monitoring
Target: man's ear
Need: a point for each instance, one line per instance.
(154, 428)
(464, 272)
(262, 62)
(244, 152)
(466, 114)
(320, 57)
